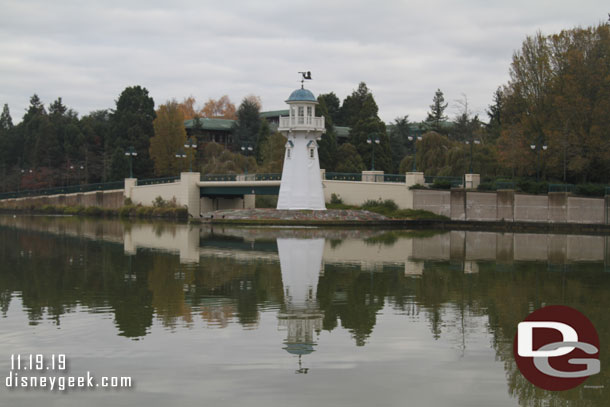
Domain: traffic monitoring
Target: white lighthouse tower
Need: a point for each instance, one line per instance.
(301, 186)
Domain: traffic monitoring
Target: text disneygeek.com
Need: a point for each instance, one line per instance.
(32, 372)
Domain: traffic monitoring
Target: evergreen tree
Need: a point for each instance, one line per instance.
(263, 134)
(6, 128)
(132, 124)
(333, 105)
(437, 111)
(6, 122)
(327, 146)
(399, 141)
(348, 159)
(372, 128)
(96, 128)
(246, 127)
(359, 111)
(494, 112)
(357, 106)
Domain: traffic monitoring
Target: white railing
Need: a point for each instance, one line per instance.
(302, 121)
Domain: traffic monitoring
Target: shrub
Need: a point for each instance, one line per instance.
(441, 184)
(386, 204)
(159, 202)
(126, 211)
(418, 186)
(385, 207)
(127, 202)
(162, 203)
(590, 190)
(74, 210)
(533, 187)
(181, 213)
(486, 186)
(94, 211)
(48, 209)
(265, 201)
(335, 199)
(143, 211)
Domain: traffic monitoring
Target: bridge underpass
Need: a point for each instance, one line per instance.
(214, 195)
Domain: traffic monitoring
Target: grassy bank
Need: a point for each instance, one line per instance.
(127, 211)
(386, 208)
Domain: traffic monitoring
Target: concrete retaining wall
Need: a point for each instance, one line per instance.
(146, 194)
(112, 199)
(531, 208)
(585, 210)
(438, 202)
(481, 206)
(556, 207)
(356, 193)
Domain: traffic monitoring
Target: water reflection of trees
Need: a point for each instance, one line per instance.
(55, 275)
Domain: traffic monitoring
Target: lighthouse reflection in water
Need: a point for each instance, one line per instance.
(300, 316)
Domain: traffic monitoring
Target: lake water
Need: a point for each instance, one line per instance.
(223, 316)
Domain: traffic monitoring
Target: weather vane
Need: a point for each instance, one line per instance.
(306, 75)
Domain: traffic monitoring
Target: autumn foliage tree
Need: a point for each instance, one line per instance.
(219, 109)
(559, 95)
(169, 138)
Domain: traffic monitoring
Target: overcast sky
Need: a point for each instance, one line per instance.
(87, 52)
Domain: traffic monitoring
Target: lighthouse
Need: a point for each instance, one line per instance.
(301, 186)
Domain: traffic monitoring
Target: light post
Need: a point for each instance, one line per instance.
(246, 148)
(190, 143)
(416, 138)
(472, 143)
(131, 152)
(373, 139)
(536, 148)
(181, 154)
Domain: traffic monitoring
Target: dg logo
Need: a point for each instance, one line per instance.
(556, 348)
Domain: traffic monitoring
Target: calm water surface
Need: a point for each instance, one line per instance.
(290, 317)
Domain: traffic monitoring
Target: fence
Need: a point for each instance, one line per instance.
(153, 181)
(343, 176)
(453, 181)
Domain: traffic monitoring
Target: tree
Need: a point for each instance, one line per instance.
(246, 127)
(6, 122)
(255, 100)
(348, 159)
(333, 105)
(359, 111)
(494, 113)
(96, 128)
(360, 105)
(263, 134)
(327, 146)
(188, 109)
(437, 111)
(6, 130)
(559, 95)
(399, 141)
(170, 136)
(133, 126)
(273, 153)
(220, 109)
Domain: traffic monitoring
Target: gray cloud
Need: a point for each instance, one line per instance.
(88, 52)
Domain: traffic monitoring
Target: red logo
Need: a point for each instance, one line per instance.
(556, 348)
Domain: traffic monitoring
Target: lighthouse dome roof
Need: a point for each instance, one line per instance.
(301, 95)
